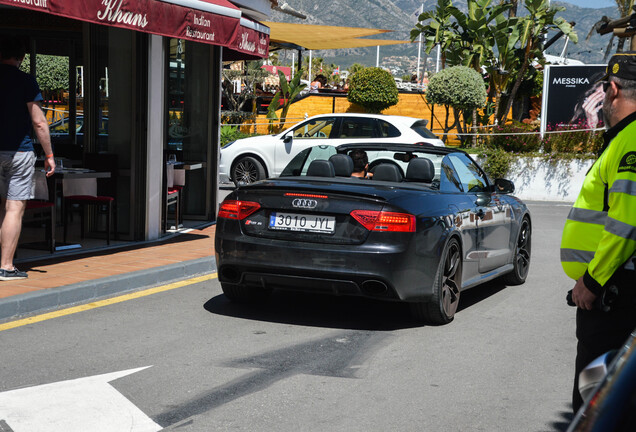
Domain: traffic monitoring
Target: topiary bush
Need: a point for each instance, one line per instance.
(374, 89)
(459, 87)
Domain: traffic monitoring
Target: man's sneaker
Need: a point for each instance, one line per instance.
(6, 275)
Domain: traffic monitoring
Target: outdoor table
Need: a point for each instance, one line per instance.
(71, 173)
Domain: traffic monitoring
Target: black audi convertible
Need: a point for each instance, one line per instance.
(424, 224)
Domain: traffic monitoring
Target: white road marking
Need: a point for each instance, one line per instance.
(83, 404)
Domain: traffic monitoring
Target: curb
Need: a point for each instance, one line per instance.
(54, 298)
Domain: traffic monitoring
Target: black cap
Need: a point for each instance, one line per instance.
(621, 65)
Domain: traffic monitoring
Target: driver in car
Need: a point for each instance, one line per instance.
(360, 164)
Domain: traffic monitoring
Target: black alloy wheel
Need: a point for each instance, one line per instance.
(522, 255)
(247, 170)
(446, 290)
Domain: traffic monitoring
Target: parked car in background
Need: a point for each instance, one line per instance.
(428, 225)
(61, 139)
(251, 159)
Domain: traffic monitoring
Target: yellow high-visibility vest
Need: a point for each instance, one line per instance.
(600, 232)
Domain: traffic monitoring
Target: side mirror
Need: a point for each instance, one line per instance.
(288, 138)
(483, 199)
(504, 186)
(594, 373)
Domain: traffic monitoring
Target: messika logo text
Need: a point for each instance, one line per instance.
(113, 13)
(570, 81)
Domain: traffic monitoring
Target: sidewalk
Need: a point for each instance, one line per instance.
(59, 282)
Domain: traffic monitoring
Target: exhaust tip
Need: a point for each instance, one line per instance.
(229, 274)
(374, 287)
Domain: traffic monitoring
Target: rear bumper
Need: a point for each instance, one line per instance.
(386, 272)
(224, 172)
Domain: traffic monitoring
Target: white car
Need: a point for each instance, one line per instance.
(250, 159)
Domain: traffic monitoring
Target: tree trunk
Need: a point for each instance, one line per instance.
(497, 103)
(446, 129)
(474, 129)
(460, 131)
(518, 81)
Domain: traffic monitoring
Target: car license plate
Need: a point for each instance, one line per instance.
(302, 222)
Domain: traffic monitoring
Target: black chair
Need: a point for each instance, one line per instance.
(420, 170)
(40, 210)
(321, 168)
(387, 172)
(173, 198)
(342, 165)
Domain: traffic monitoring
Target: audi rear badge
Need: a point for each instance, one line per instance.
(304, 203)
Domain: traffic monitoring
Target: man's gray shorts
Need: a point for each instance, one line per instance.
(16, 175)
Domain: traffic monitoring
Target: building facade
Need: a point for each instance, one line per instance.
(144, 89)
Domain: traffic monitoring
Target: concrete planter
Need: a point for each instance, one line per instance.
(537, 179)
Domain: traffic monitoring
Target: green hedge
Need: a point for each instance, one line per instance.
(374, 89)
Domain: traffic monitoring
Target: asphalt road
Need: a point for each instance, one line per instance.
(302, 362)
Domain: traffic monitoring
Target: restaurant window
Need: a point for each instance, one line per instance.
(54, 63)
(189, 106)
(111, 133)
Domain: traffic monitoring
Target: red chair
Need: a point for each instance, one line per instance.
(85, 194)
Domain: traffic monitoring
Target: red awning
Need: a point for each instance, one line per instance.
(251, 41)
(216, 22)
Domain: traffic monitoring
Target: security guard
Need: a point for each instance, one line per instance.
(599, 239)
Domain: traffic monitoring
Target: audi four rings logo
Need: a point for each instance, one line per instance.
(304, 203)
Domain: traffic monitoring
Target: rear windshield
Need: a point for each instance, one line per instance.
(420, 127)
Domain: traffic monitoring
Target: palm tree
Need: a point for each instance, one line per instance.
(356, 67)
(440, 30)
(288, 92)
(533, 27)
(624, 9)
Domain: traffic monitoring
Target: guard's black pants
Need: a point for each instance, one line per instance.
(599, 332)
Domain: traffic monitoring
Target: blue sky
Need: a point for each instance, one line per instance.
(592, 3)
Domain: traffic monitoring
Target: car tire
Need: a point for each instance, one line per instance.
(446, 288)
(247, 170)
(245, 294)
(521, 258)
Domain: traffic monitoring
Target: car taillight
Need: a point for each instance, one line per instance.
(234, 209)
(385, 221)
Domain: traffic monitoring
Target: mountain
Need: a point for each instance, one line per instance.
(395, 15)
